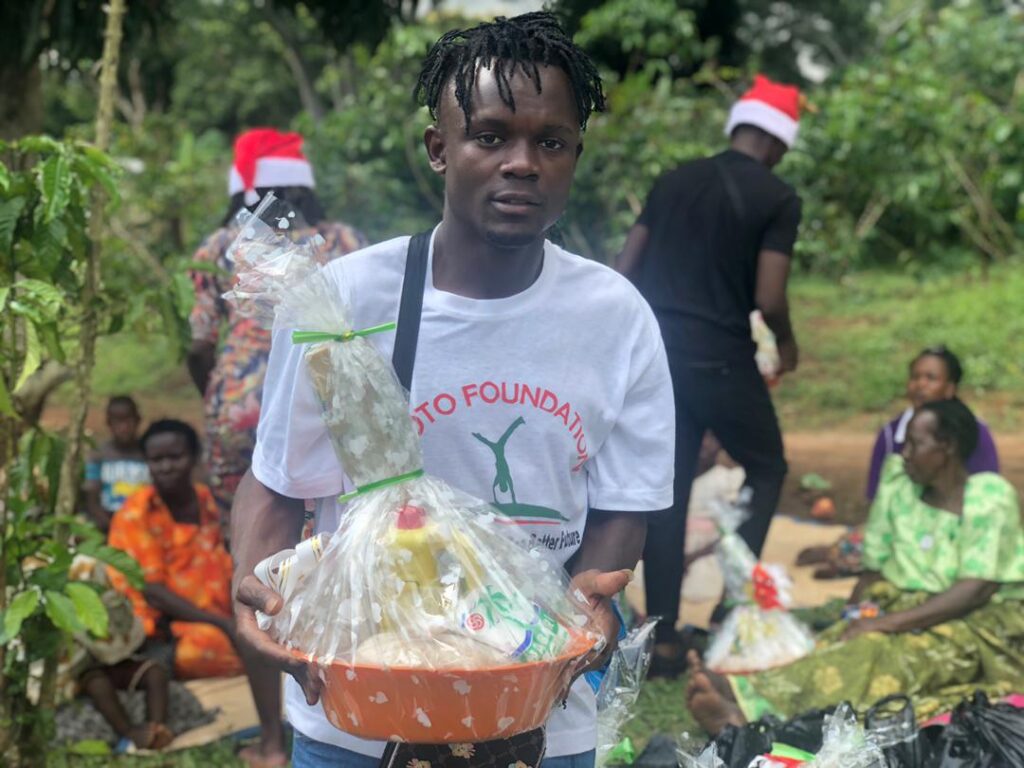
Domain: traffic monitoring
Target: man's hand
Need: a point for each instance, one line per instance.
(254, 596)
(598, 588)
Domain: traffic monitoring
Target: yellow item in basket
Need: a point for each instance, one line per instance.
(415, 544)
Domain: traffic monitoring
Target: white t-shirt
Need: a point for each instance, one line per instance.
(564, 386)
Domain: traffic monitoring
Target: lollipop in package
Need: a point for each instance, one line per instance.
(427, 621)
(759, 633)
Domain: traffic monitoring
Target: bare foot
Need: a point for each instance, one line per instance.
(711, 704)
(142, 736)
(814, 555)
(254, 756)
(162, 736)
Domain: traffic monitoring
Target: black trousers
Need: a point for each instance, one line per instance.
(732, 400)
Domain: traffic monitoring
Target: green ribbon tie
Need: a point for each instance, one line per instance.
(380, 484)
(309, 337)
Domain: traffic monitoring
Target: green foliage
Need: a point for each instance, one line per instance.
(221, 754)
(933, 130)
(44, 605)
(43, 224)
(371, 167)
(649, 33)
(46, 199)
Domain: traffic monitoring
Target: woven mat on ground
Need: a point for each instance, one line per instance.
(200, 712)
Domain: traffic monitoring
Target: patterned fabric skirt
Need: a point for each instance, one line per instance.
(202, 650)
(937, 667)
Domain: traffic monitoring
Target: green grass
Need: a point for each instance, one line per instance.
(858, 334)
(220, 754)
(661, 708)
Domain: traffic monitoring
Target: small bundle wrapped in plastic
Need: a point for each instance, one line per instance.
(620, 687)
(845, 744)
(693, 752)
(759, 633)
(428, 623)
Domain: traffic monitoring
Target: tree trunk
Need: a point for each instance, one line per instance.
(296, 63)
(67, 492)
(21, 100)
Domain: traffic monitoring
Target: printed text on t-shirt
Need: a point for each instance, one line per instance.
(510, 393)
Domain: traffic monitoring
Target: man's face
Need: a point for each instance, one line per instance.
(508, 178)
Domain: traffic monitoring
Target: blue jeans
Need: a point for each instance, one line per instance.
(307, 753)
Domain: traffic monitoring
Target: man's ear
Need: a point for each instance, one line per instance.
(433, 140)
(579, 149)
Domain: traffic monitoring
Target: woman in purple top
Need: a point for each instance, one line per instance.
(935, 374)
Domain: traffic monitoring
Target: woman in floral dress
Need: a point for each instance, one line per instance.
(228, 357)
(944, 560)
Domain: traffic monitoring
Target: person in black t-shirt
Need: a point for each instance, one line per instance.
(712, 244)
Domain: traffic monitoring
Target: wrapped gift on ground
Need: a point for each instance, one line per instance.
(759, 632)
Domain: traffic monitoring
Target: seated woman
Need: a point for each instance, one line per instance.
(172, 528)
(935, 374)
(944, 553)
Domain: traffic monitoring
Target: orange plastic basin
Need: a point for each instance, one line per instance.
(446, 706)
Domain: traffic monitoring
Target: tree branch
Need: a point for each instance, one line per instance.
(296, 63)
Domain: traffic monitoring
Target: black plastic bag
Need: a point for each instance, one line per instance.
(893, 726)
(738, 746)
(983, 735)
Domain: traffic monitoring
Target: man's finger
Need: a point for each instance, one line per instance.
(596, 583)
(260, 643)
(258, 596)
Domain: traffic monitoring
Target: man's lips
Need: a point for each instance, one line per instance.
(515, 202)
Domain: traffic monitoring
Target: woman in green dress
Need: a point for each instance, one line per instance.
(944, 558)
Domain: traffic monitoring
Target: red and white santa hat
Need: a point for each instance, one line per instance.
(265, 157)
(772, 107)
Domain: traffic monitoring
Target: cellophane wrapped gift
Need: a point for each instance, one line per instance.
(427, 621)
(759, 632)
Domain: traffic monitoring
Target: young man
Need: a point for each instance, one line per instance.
(540, 378)
(712, 244)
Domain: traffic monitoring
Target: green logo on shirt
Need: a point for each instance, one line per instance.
(523, 513)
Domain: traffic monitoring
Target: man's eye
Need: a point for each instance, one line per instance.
(552, 144)
(488, 139)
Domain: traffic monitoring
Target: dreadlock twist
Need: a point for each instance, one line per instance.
(525, 42)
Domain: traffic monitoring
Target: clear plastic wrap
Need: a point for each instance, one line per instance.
(427, 621)
(620, 687)
(693, 752)
(759, 633)
(845, 744)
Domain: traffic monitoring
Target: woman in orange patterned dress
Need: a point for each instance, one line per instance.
(172, 528)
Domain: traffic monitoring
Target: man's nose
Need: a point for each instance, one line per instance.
(521, 160)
